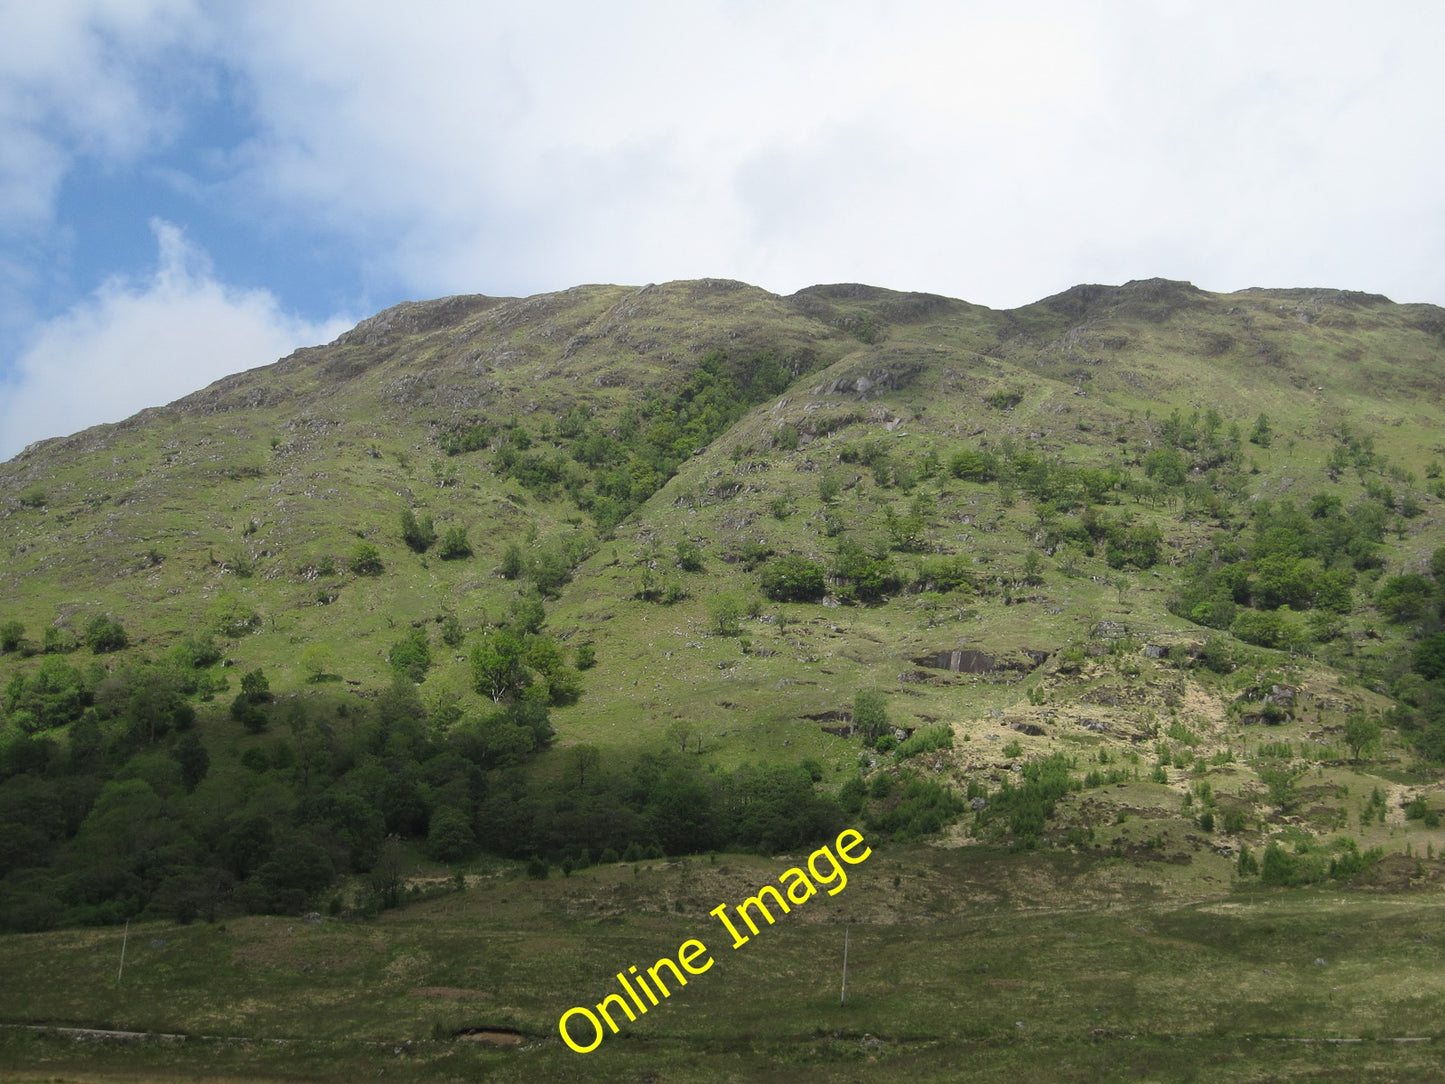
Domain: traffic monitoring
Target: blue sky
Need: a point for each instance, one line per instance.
(189, 189)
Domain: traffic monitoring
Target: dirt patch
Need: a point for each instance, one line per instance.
(491, 1036)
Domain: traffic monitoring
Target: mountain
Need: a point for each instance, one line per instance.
(1136, 525)
(1113, 623)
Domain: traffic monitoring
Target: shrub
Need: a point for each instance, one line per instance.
(852, 794)
(105, 634)
(11, 633)
(366, 560)
(1217, 655)
(254, 686)
(449, 836)
(793, 579)
(511, 567)
(1272, 629)
(926, 740)
(419, 534)
(232, 616)
(1248, 865)
(452, 632)
(1429, 660)
(924, 807)
(1405, 598)
(870, 714)
(726, 614)
(59, 640)
(689, 556)
(245, 712)
(411, 655)
(972, 466)
(455, 544)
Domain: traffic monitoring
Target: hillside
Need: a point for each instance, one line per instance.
(1145, 536)
(1120, 612)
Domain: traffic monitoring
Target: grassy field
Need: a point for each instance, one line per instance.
(963, 964)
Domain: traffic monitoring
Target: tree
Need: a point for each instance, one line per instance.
(419, 534)
(908, 533)
(528, 613)
(156, 705)
(584, 758)
(1282, 782)
(1361, 732)
(11, 633)
(1429, 660)
(411, 655)
(726, 613)
(245, 712)
(255, 687)
(793, 579)
(1405, 598)
(365, 560)
(1437, 564)
(864, 575)
(972, 466)
(452, 632)
(316, 661)
(105, 634)
(455, 545)
(1261, 433)
(193, 759)
(51, 696)
(498, 669)
(689, 556)
(679, 733)
(449, 837)
(512, 562)
(870, 714)
(1033, 564)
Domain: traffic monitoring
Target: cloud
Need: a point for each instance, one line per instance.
(83, 79)
(139, 344)
(993, 153)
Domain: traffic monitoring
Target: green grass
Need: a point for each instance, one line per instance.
(1046, 965)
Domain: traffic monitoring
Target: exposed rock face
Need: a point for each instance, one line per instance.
(962, 660)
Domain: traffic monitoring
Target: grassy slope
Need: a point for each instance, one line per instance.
(354, 425)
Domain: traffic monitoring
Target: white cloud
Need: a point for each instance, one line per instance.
(76, 80)
(139, 344)
(994, 153)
